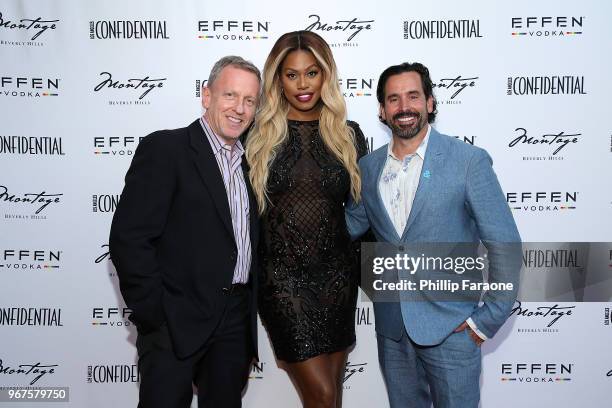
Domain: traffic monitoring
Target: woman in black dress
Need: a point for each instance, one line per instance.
(303, 167)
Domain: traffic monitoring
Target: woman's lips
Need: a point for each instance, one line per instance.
(304, 97)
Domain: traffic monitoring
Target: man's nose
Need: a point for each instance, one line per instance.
(240, 105)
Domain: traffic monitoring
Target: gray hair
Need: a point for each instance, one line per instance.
(234, 61)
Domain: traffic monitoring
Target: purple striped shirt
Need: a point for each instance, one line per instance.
(229, 160)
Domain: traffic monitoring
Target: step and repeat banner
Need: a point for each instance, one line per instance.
(82, 82)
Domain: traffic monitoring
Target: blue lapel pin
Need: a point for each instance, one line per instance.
(426, 174)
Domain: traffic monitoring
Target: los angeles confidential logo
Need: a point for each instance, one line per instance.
(546, 85)
(112, 373)
(128, 30)
(441, 29)
(31, 146)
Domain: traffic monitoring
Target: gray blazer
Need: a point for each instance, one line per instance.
(458, 200)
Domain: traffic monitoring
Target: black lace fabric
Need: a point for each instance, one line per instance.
(308, 282)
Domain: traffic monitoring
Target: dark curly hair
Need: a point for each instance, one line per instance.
(400, 69)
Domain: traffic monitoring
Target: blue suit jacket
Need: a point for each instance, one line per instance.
(458, 200)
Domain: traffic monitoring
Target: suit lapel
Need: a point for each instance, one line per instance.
(379, 165)
(253, 213)
(431, 165)
(210, 174)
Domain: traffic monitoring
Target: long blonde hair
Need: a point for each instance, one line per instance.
(270, 129)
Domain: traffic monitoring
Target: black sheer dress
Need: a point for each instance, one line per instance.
(308, 282)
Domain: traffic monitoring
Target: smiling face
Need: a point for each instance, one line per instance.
(405, 108)
(230, 102)
(302, 80)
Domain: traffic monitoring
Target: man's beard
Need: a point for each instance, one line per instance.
(407, 132)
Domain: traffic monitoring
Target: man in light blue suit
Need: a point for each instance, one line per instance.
(425, 187)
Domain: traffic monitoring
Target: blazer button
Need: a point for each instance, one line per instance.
(401, 248)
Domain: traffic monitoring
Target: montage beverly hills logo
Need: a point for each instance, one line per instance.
(103, 260)
(454, 89)
(547, 318)
(104, 254)
(25, 31)
(25, 372)
(129, 90)
(532, 145)
(340, 31)
(25, 205)
(351, 371)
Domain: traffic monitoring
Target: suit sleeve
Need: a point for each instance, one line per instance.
(498, 233)
(138, 223)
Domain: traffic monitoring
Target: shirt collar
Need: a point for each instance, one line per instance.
(216, 143)
(420, 151)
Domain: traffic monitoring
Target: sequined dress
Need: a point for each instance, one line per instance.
(308, 282)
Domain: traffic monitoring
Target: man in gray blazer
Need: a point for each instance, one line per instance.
(425, 187)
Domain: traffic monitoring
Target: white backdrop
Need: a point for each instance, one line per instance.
(63, 141)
